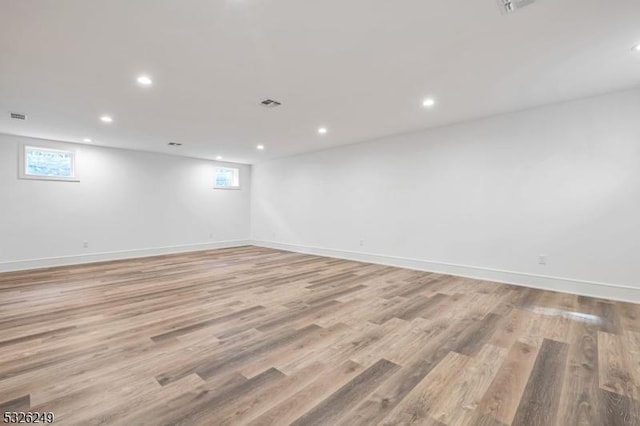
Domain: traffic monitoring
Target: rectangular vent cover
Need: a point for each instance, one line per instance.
(174, 144)
(270, 103)
(18, 116)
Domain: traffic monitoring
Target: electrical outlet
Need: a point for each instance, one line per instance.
(85, 244)
(542, 259)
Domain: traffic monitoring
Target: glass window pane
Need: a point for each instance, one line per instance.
(42, 162)
(226, 177)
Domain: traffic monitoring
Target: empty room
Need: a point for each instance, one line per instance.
(320, 212)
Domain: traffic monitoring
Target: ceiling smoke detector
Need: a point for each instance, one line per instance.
(18, 116)
(270, 103)
(510, 6)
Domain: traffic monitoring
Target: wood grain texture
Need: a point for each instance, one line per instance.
(618, 410)
(540, 399)
(332, 408)
(616, 365)
(503, 397)
(265, 337)
(581, 400)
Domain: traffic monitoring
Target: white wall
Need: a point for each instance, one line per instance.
(127, 204)
(483, 198)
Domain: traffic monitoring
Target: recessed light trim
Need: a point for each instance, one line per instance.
(429, 103)
(323, 130)
(106, 119)
(145, 80)
(260, 147)
(219, 157)
(87, 140)
(636, 48)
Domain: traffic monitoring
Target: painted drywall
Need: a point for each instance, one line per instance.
(127, 204)
(483, 198)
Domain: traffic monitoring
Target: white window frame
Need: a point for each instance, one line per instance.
(51, 147)
(236, 171)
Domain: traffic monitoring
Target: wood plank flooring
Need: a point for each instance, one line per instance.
(264, 337)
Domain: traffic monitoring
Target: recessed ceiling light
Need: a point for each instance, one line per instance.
(87, 140)
(145, 80)
(219, 157)
(106, 119)
(260, 147)
(322, 130)
(429, 102)
(637, 47)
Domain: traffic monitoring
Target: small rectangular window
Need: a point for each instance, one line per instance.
(47, 163)
(227, 178)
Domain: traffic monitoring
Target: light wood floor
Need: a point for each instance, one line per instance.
(265, 337)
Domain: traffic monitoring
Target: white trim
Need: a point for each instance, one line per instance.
(20, 265)
(564, 285)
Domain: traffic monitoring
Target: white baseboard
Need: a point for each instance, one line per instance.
(20, 265)
(564, 285)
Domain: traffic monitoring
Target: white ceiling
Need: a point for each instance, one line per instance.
(359, 67)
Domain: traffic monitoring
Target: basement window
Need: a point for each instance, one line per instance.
(46, 163)
(227, 178)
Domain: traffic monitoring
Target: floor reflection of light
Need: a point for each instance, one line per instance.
(576, 316)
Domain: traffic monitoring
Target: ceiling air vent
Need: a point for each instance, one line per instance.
(18, 116)
(174, 144)
(270, 103)
(510, 6)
